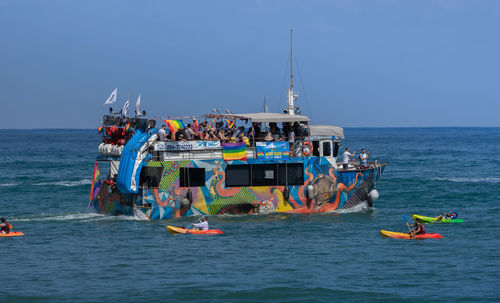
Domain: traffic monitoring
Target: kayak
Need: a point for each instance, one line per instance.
(424, 219)
(392, 234)
(12, 234)
(181, 230)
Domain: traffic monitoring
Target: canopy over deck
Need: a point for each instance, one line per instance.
(273, 117)
(326, 130)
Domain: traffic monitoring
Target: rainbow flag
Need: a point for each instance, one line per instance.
(230, 123)
(174, 125)
(99, 129)
(96, 183)
(196, 126)
(234, 151)
(127, 126)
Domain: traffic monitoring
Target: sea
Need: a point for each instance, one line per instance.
(71, 254)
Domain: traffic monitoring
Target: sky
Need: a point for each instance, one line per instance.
(377, 63)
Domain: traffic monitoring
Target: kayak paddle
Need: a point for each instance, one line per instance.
(407, 224)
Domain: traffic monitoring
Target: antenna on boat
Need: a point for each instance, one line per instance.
(266, 108)
(291, 96)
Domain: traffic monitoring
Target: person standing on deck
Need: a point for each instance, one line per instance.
(161, 133)
(363, 158)
(345, 157)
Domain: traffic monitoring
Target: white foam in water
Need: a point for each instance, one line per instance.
(469, 180)
(64, 217)
(9, 184)
(66, 183)
(356, 209)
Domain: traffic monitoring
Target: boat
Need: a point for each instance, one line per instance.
(283, 164)
(397, 235)
(424, 219)
(12, 234)
(182, 230)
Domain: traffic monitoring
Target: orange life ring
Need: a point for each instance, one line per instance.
(307, 148)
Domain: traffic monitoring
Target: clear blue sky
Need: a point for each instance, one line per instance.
(360, 63)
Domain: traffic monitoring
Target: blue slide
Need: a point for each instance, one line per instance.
(132, 160)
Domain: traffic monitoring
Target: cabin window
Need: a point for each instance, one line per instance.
(265, 174)
(291, 174)
(327, 149)
(237, 175)
(316, 148)
(150, 176)
(336, 149)
(190, 176)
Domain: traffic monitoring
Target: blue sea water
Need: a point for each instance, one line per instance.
(69, 254)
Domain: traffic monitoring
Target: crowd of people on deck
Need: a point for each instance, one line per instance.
(230, 133)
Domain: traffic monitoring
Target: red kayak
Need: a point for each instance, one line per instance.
(392, 234)
(182, 230)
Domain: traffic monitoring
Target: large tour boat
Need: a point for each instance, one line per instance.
(255, 163)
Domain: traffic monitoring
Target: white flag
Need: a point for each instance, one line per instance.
(112, 97)
(137, 105)
(125, 109)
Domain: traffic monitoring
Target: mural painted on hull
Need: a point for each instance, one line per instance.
(331, 190)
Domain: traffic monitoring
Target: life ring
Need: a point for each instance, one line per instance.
(307, 148)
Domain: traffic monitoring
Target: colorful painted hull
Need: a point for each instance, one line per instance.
(12, 234)
(424, 219)
(333, 190)
(396, 235)
(180, 230)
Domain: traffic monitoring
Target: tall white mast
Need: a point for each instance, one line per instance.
(291, 95)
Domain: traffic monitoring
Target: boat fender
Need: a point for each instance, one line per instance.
(286, 193)
(185, 203)
(189, 196)
(372, 196)
(310, 192)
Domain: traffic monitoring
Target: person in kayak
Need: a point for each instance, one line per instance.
(453, 215)
(5, 226)
(202, 225)
(418, 230)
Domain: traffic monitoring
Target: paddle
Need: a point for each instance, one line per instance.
(407, 224)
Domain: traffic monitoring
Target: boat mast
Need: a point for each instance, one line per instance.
(291, 95)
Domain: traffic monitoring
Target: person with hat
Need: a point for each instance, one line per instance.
(453, 215)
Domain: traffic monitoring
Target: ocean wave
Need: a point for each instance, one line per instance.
(65, 183)
(8, 184)
(469, 180)
(356, 209)
(83, 217)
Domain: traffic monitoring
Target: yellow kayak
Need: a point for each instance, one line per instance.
(182, 230)
(12, 234)
(392, 234)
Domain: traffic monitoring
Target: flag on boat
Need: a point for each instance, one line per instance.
(127, 126)
(174, 125)
(230, 123)
(234, 151)
(99, 129)
(96, 183)
(137, 106)
(196, 126)
(112, 97)
(125, 109)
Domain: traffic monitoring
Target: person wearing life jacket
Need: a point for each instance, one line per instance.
(453, 215)
(5, 226)
(418, 230)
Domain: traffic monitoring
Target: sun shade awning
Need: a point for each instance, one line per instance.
(327, 131)
(273, 117)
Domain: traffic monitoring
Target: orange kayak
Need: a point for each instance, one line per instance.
(392, 234)
(181, 230)
(12, 234)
